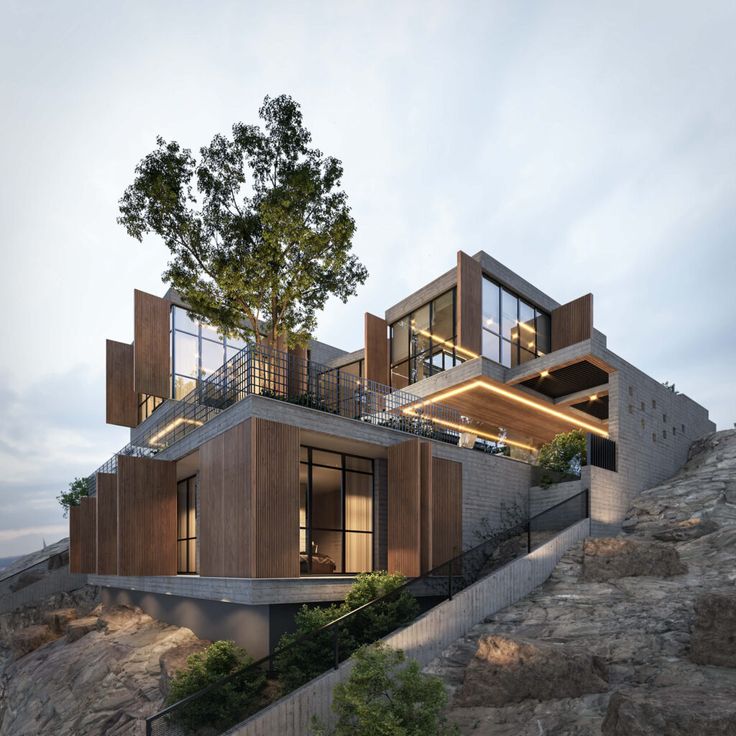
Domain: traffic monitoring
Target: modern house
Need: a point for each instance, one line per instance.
(259, 478)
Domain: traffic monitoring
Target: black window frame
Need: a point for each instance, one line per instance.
(308, 528)
(514, 346)
(192, 481)
(426, 356)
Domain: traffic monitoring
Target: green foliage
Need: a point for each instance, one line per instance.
(386, 696)
(225, 704)
(266, 237)
(564, 454)
(298, 663)
(77, 491)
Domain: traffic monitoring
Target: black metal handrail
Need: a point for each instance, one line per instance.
(433, 587)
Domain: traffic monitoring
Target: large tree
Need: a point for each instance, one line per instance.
(259, 228)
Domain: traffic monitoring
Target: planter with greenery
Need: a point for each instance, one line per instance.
(562, 458)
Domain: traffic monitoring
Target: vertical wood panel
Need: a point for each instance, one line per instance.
(88, 529)
(146, 516)
(276, 498)
(121, 399)
(572, 322)
(75, 540)
(151, 345)
(426, 505)
(298, 380)
(469, 307)
(107, 524)
(249, 486)
(447, 504)
(375, 355)
(404, 501)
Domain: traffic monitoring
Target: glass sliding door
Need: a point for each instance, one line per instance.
(335, 513)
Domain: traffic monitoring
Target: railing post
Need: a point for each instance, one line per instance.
(149, 727)
(336, 644)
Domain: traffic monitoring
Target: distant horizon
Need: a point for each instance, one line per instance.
(589, 148)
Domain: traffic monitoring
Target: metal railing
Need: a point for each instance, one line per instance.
(263, 371)
(300, 659)
(601, 452)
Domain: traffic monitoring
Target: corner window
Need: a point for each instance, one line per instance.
(423, 342)
(514, 332)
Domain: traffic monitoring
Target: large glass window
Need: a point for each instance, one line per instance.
(335, 513)
(423, 342)
(197, 351)
(186, 525)
(513, 331)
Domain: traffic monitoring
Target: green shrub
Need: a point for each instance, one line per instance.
(77, 491)
(564, 454)
(226, 704)
(307, 659)
(386, 696)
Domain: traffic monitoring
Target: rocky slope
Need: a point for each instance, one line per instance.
(70, 667)
(634, 635)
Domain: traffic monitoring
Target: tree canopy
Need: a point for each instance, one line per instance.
(258, 226)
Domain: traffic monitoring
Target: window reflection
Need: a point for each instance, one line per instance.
(423, 342)
(514, 332)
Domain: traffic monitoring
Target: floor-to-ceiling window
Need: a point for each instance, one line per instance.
(513, 331)
(186, 525)
(423, 342)
(196, 351)
(335, 512)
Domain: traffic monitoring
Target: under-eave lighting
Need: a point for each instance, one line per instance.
(520, 400)
(172, 426)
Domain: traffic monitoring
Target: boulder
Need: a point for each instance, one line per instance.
(616, 557)
(671, 711)
(26, 640)
(58, 619)
(714, 632)
(683, 531)
(506, 670)
(75, 630)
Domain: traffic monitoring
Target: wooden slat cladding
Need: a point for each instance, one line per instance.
(404, 508)
(249, 501)
(146, 516)
(375, 365)
(275, 488)
(107, 524)
(572, 322)
(225, 518)
(447, 510)
(75, 540)
(469, 306)
(426, 506)
(151, 345)
(88, 529)
(121, 398)
(298, 371)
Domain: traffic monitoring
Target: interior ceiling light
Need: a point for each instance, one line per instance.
(472, 430)
(172, 426)
(492, 388)
(544, 374)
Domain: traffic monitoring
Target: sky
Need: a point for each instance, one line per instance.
(589, 146)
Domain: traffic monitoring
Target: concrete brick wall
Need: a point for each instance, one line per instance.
(423, 640)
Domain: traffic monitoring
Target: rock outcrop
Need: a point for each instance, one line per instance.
(607, 559)
(506, 670)
(665, 632)
(86, 672)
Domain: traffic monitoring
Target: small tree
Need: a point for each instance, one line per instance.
(225, 704)
(388, 696)
(77, 491)
(267, 237)
(565, 453)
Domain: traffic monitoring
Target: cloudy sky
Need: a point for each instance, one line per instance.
(589, 146)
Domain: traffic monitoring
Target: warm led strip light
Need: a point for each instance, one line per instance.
(171, 427)
(446, 343)
(521, 400)
(471, 430)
